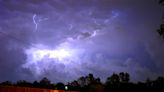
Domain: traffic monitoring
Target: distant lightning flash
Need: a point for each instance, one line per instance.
(42, 19)
(36, 22)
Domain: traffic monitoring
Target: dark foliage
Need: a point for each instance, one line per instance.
(161, 29)
(115, 83)
(60, 86)
(161, 1)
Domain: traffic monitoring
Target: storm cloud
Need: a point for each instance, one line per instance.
(96, 36)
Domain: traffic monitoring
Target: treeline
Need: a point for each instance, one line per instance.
(114, 83)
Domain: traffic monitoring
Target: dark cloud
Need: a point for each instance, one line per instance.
(101, 37)
(10, 60)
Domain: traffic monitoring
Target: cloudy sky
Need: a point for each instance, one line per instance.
(66, 39)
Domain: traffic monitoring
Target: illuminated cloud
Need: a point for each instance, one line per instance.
(79, 37)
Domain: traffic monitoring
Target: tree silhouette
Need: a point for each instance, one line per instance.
(114, 79)
(23, 83)
(36, 84)
(45, 81)
(73, 85)
(159, 83)
(114, 83)
(60, 86)
(161, 29)
(161, 1)
(82, 81)
(90, 78)
(95, 88)
(124, 77)
(6, 83)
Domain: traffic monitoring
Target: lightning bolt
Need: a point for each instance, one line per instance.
(42, 19)
(36, 22)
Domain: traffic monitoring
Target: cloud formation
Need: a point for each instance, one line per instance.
(101, 36)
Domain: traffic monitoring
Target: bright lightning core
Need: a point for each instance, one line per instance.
(41, 58)
(40, 54)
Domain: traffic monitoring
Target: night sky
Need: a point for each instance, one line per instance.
(65, 39)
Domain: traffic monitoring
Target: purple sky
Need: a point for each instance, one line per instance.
(66, 39)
